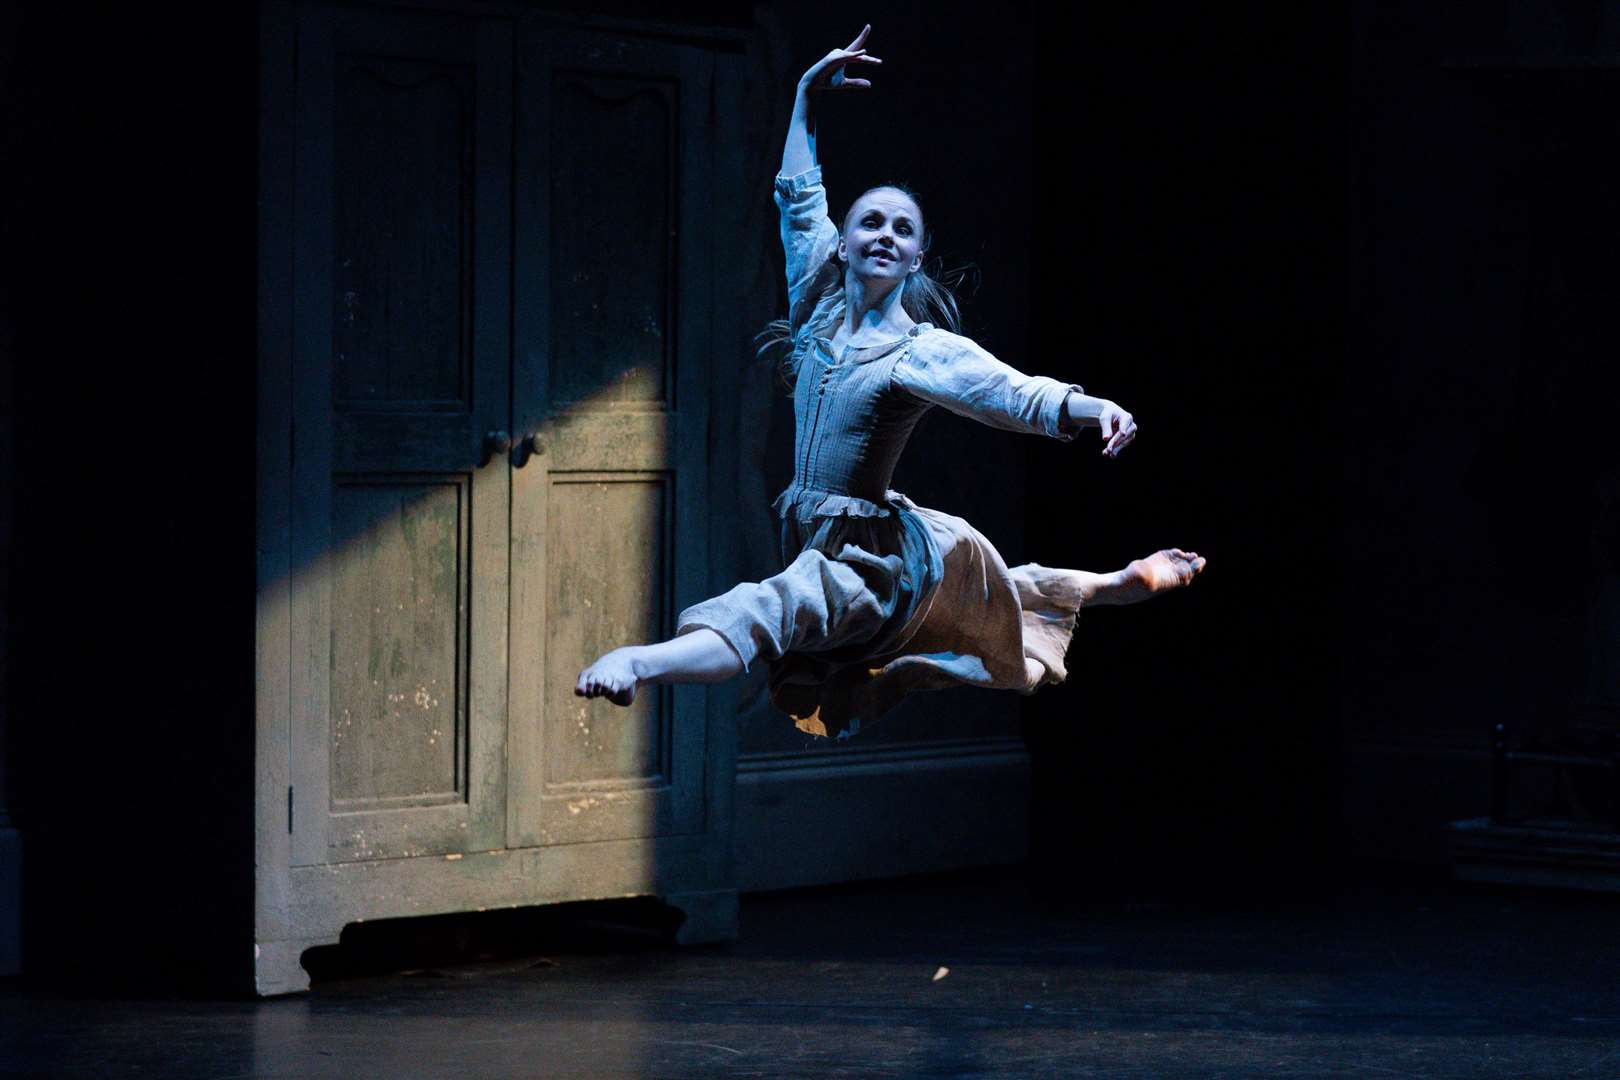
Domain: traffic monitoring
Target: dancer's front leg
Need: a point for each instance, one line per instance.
(702, 656)
(1142, 578)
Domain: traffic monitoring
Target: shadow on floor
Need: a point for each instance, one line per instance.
(966, 974)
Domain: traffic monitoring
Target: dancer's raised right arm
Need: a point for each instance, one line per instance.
(808, 234)
(799, 152)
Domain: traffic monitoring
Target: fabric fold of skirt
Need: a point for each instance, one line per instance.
(870, 609)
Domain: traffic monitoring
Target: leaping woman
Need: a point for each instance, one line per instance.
(880, 596)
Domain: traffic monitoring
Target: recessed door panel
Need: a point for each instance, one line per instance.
(612, 253)
(399, 632)
(609, 587)
(402, 329)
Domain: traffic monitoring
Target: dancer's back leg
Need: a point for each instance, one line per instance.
(814, 603)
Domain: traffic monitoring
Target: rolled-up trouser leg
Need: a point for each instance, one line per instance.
(815, 603)
(1050, 600)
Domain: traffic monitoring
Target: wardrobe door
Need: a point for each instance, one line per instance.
(612, 342)
(401, 369)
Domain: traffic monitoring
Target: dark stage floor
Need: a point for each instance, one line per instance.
(1403, 978)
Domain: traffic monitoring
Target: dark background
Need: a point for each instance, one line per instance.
(1192, 168)
(1347, 264)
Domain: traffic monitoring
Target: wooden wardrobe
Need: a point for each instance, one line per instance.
(488, 324)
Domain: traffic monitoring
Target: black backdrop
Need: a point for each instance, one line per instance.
(1192, 168)
(1352, 287)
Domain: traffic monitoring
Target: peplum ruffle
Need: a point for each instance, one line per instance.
(808, 504)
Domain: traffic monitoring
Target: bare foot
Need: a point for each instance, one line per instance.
(1159, 572)
(613, 676)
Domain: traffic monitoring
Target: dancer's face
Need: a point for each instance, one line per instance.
(882, 235)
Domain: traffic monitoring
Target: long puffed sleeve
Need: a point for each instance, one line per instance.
(808, 234)
(953, 372)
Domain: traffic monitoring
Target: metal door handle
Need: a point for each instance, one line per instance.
(531, 445)
(495, 442)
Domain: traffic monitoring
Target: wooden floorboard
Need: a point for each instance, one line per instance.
(959, 975)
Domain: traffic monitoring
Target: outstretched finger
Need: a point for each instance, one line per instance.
(837, 63)
(860, 39)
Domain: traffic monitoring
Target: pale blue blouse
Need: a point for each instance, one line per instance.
(855, 411)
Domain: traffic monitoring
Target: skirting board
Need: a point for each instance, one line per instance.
(821, 817)
(1524, 854)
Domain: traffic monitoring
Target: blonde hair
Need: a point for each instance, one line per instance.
(926, 297)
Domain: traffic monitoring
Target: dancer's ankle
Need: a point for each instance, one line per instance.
(1109, 588)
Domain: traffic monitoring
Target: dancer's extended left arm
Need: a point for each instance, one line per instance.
(1117, 426)
(955, 373)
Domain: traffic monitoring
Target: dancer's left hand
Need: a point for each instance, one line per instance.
(1118, 429)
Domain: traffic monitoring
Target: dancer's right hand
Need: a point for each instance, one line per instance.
(828, 72)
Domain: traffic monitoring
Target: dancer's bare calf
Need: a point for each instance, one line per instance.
(701, 656)
(705, 656)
